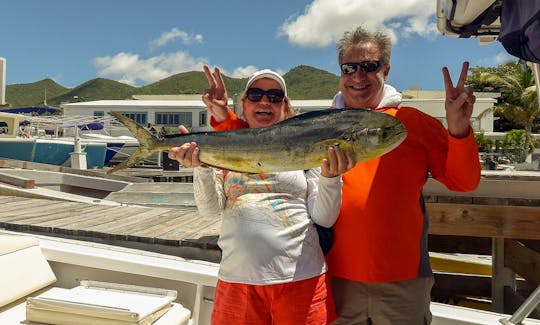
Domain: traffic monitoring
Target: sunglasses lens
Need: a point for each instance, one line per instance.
(366, 66)
(273, 95)
(369, 66)
(348, 68)
(254, 94)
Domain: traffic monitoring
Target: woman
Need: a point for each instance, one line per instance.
(272, 269)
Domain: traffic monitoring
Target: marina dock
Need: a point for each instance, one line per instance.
(178, 231)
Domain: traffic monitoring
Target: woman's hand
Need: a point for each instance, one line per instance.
(216, 98)
(337, 163)
(187, 154)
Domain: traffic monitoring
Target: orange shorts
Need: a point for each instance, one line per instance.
(294, 303)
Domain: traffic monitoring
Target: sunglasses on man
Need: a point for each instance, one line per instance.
(273, 95)
(366, 66)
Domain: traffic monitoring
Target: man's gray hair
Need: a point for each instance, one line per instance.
(351, 39)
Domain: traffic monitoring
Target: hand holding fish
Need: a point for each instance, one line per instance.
(216, 98)
(459, 103)
(186, 154)
(337, 163)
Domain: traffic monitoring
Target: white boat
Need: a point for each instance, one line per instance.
(33, 265)
(89, 130)
(16, 143)
(18, 178)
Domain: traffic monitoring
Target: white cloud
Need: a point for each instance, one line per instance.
(129, 68)
(242, 72)
(496, 60)
(174, 34)
(503, 58)
(324, 21)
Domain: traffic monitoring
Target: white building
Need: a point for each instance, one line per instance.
(193, 114)
(170, 113)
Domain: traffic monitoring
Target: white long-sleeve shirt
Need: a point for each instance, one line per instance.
(267, 232)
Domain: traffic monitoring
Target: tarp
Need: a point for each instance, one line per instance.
(520, 29)
(30, 110)
(85, 126)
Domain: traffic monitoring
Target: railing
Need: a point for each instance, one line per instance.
(502, 219)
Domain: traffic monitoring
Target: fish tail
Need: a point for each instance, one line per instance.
(147, 142)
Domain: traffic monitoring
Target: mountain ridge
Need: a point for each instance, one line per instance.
(303, 82)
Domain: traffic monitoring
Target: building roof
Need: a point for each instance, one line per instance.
(137, 103)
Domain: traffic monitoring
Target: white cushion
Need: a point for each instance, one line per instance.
(24, 269)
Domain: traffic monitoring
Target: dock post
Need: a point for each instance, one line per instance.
(77, 157)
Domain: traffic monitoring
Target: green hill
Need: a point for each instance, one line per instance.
(303, 82)
(193, 82)
(95, 89)
(33, 94)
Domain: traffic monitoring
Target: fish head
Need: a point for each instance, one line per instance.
(375, 136)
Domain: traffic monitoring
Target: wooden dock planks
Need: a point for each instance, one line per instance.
(163, 226)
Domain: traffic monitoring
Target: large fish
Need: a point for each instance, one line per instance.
(297, 143)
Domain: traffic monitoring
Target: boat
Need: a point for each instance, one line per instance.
(16, 143)
(89, 130)
(193, 279)
(513, 24)
(41, 281)
(34, 180)
(34, 266)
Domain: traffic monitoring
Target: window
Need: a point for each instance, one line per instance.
(99, 113)
(203, 118)
(139, 117)
(174, 119)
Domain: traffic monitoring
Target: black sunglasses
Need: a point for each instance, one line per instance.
(273, 95)
(366, 66)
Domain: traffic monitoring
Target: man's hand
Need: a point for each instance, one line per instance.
(337, 163)
(459, 103)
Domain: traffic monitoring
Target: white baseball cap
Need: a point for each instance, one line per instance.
(267, 73)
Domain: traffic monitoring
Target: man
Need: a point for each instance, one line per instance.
(379, 262)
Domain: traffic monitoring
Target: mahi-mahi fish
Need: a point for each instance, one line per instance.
(298, 143)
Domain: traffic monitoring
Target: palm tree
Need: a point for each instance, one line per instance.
(519, 100)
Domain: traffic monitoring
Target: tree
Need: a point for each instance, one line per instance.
(518, 102)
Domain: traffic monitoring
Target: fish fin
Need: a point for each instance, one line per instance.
(147, 142)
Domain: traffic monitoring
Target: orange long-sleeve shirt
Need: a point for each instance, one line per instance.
(381, 232)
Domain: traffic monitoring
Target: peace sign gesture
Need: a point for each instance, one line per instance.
(459, 103)
(215, 98)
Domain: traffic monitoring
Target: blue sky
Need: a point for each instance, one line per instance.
(139, 41)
